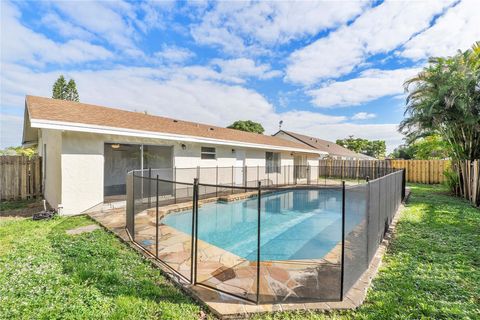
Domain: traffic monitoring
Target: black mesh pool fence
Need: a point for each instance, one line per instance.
(265, 237)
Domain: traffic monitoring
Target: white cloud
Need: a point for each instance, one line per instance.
(11, 128)
(174, 54)
(245, 27)
(363, 116)
(111, 21)
(332, 132)
(370, 85)
(65, 28)
(23, 45)
(243, 67)
(458, 29)
(379, 30)
(150, 89)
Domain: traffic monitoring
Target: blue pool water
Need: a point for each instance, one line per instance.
(295, 224)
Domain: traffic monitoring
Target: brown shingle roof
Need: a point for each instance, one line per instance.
(68, 111)
(324, 145)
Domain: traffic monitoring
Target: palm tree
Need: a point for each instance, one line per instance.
(444, 98)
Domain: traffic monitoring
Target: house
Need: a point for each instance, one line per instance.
(334, 150)
(87, 150)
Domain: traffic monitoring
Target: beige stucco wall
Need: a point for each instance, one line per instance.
(75, 165)
(82, 171)
(50, 146)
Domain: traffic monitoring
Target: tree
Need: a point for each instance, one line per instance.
(65, 91)
(19, 151)
(405, 151)
(431, 147)
(444, 99)
(425, 148)
(374, 148)
(72, 93)
(247, 125)
(59, 88)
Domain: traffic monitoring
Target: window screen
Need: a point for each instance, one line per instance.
(272, 162)
(208, 153)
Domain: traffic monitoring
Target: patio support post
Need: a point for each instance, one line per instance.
(156, 221)
(175, 185)
(216, 181)
(233, 182)
(342, 275)
(294, 174)
(245, 177)
(258, 173)
(259, 208)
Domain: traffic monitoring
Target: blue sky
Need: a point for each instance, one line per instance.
(327, 69)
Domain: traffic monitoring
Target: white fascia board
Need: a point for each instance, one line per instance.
(81, 127)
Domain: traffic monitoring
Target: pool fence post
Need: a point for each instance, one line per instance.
(342, 275)
(193, 258)
(259, 208)
(308, 174)
(156, 223)
(367, 210)
(149, 191)
(325, 176)
(403, 183)
(133, 206)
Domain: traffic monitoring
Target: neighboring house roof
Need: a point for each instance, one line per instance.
(75, 116)
(324, 145)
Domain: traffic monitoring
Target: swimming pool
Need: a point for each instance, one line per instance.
(295, 224)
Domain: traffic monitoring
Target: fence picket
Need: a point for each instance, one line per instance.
(20, 177)
(419, 171)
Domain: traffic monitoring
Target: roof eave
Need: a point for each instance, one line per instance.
(81, 127)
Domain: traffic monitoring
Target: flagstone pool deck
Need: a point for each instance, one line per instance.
(284, 285)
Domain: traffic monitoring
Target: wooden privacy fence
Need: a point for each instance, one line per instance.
(469, 180)
(423, 171)
(420, 171)
(20, 177)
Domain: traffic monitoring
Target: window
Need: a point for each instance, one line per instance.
(208, 153)
(272, 162)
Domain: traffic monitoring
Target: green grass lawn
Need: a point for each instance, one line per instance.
(47, 274)
(17, 204)
(431, 271)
